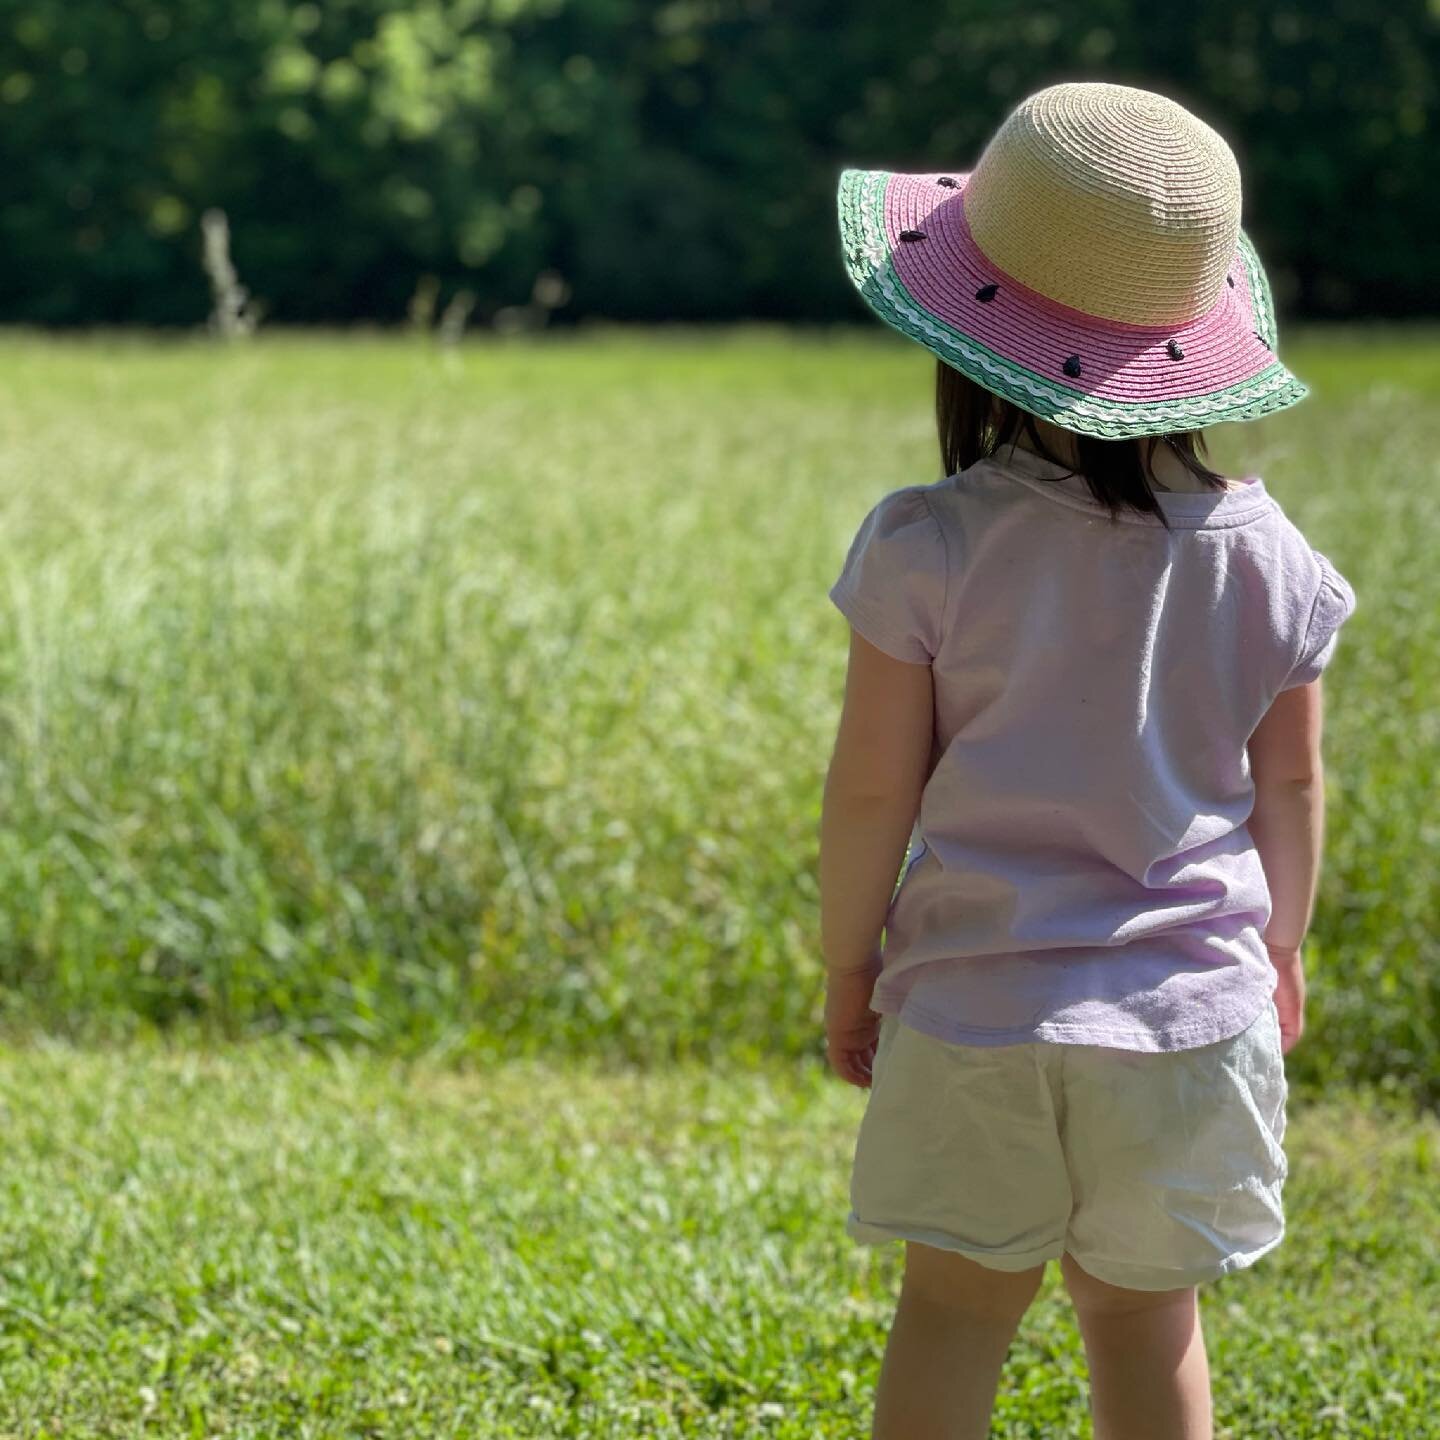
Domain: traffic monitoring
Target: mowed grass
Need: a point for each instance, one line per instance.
(273, 1242)
(481, 701)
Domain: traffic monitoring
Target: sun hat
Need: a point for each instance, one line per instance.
(1091, 268)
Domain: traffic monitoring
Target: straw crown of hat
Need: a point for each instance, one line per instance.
(1110, 200)
(1090, 268)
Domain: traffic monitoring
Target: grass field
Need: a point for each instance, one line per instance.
(448, 730)
(481, 701)
(268, 1243)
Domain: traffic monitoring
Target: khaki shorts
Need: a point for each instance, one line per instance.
(1155, 1171)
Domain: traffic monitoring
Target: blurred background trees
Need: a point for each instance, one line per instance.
(645, 161)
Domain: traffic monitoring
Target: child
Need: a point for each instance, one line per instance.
(1086, 667)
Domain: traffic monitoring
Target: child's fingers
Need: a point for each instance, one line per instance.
(852, 1067)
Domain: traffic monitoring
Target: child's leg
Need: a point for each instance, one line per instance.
(951, 1333)
(1149, 1379)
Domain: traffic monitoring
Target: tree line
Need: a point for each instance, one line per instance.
(551, 160)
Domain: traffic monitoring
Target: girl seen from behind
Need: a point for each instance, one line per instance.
(1084, 682)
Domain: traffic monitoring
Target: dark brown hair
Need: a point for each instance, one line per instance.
(974, 424)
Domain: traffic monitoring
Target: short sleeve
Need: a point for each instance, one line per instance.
(1334, 604)
(892, 587)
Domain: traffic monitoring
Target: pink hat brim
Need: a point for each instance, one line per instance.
(1018, 342)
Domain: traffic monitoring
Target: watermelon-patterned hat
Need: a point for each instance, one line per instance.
(1091, 268)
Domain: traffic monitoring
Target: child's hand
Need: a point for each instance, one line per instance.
(1289, 993)
(852, 1028)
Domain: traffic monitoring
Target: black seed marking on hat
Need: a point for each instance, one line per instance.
(1261, 338)
(986, 293)
(948, 181)
(912, 234)
(1072, 366)
(1174, 351)
(1230, 281)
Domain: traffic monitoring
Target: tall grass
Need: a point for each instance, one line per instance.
(483, 698)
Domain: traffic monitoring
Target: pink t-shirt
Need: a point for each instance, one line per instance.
(1081, 869)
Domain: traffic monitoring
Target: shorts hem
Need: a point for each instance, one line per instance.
(1129, 1276)
(866, 1233)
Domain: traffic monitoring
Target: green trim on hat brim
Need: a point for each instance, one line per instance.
(1260, 300)
(871, 269)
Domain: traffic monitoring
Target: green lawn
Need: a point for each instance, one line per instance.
(448, 732)
(353, 689)
(269, 1243)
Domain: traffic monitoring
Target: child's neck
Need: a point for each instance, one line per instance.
(1170, 474)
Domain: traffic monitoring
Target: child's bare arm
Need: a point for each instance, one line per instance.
(872, 795)
(1287, 824)
(1288, 827)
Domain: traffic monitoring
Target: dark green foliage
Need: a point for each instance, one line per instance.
(666, 160)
